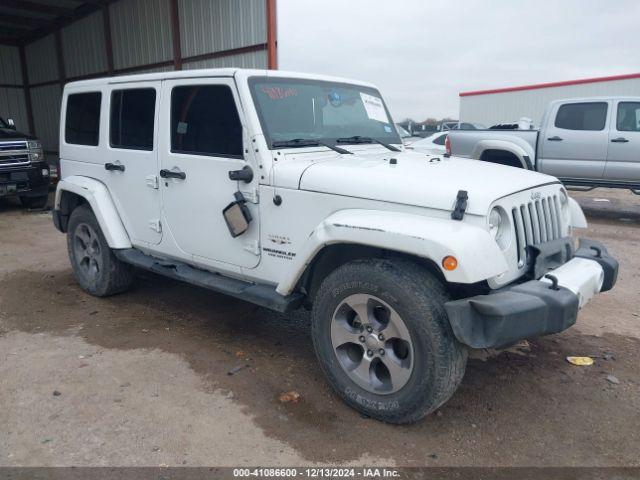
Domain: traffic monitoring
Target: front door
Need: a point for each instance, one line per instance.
(623, 158)
(204, 141)
(574, 142)
(132, 159)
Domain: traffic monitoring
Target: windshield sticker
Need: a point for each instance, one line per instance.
(374, 107)
(387, 128)
(278, 93)
(334, 99)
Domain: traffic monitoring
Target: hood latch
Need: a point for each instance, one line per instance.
(461, 205)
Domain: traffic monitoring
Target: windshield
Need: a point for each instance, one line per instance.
(293, 109)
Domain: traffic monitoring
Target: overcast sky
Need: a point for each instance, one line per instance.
(422, 53)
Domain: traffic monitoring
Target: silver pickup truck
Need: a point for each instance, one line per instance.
(586, 142)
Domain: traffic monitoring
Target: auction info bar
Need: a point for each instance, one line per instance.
(204, 473)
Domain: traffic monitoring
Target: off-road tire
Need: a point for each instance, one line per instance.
(418, 297)
(34, 202)
(114, 276)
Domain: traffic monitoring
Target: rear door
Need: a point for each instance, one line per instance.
(574, 143)
(132, 159)
(623, 158)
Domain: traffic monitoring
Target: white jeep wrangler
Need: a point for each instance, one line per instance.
(286, 190)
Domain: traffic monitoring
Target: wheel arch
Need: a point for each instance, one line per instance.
(504, 153)
(335, 255)
(351, 234)
(77, 190)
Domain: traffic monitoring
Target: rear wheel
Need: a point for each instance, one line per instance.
(95, 267)
(384, 341)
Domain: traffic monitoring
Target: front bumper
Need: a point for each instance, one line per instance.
(25, 180)
(537, 307)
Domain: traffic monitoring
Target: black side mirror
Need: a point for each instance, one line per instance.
(11, 123)
(237, 216)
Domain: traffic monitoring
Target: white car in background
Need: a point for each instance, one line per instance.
(407, 137)
(433, 144)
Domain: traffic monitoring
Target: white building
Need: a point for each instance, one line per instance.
(510, 104)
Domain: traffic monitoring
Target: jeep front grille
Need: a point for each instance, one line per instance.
(536, 222)
(14, 153)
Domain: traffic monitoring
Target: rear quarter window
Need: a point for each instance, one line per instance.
(82, 125)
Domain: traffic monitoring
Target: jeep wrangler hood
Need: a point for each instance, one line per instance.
(418, 179)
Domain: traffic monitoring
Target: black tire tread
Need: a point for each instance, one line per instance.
(428, 296)
(118, 276)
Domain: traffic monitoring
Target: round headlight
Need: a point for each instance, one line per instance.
(499, 227)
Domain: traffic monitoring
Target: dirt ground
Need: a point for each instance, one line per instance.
(144, 378)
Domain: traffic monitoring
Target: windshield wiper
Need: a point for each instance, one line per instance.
(360, 139)
(307, 142)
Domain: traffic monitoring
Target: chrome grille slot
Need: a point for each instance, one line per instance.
(536, 222)
(9, 146)
(13, 153)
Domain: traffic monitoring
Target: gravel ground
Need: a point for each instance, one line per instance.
(144, 378)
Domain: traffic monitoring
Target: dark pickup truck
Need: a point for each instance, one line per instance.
(23, 170)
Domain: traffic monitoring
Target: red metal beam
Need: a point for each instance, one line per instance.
(27, 90)
(108, 42)
(551, 84)
(272, 33)
(175, 35)
(29, 6)
(226, 53)
(205, 56)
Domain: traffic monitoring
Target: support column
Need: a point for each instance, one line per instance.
(272, 41)
(62, 75)
(27, 89)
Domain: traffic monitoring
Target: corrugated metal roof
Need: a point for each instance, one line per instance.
(83, 44)
(12, 106)
(10, 65)
(141, 32)
(213, 25)
(42, 62)
(46, 114)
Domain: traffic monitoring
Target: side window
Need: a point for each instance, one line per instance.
(83, 119)
(440, 140)
(628, 118)
(132, 118)
(582, 116)
(205, 121)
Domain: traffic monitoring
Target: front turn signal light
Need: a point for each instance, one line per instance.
(449, 263)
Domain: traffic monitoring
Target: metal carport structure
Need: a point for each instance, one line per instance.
(46, 43)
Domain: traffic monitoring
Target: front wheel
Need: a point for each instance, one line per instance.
(384, 341)
(95, 267)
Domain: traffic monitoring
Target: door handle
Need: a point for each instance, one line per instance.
(114, 166)
(554, 139)
(171, 174)
(619, 140)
